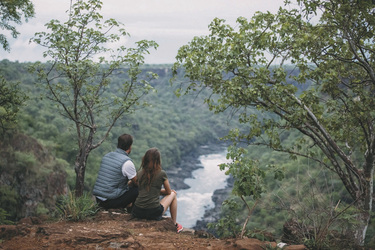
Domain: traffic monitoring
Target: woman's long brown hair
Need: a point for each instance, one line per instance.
(151, 164)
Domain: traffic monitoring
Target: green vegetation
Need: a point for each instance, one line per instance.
(30, 177)
(70, 207)
(10, 101)
(175, 125)
(176, 130)
(227, 225)
(11, 13)
(248, 179)
(318, 111)
(3, 217)
(9, 201)
(332, 113)
(77, 77)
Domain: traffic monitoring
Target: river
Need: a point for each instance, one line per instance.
(193, 202)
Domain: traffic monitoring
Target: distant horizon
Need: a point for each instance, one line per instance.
(169, 23)
(17, 61)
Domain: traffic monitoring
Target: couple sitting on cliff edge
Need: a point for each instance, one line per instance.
(119, 185)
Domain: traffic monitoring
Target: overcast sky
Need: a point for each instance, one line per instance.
(170, 23)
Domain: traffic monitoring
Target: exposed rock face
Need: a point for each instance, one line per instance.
(189, 163)
(213, 215)
(30, 178)
(177, 175)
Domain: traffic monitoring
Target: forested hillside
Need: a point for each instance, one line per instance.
(38, 160)
(174, 125)
(296, 85)
(332, 45)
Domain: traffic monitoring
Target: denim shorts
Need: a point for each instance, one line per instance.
(148, 213)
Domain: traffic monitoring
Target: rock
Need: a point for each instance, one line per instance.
(36, 186)
(8, 231)
(295, 247)
(254, 244)
(188, 231)
(203, 234)
(189, 163)
(213, 215)
(30, 221)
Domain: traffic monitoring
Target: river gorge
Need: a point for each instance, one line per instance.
(200, 185)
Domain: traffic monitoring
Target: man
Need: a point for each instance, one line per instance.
(116, 185)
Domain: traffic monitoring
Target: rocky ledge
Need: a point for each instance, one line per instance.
(114, 230)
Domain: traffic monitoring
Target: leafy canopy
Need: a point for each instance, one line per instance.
(12, 12)
(10, 97)
(11, 100)
(309, 69)
(85, 52)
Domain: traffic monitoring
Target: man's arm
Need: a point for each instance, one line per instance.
(129, 171)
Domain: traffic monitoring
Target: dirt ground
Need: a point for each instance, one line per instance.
(116, 230)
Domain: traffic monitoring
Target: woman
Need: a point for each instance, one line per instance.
(151, 178)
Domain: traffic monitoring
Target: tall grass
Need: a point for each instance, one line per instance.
(70, 207)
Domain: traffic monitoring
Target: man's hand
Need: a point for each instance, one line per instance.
(133, 182)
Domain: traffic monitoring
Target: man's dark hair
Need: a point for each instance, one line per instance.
(124, 141)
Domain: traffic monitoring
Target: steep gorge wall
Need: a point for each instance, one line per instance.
(31, 179)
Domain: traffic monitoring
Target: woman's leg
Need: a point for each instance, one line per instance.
(171, 202)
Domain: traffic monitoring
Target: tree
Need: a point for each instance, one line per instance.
(10, 101)
(13, 11)
(328, 97)
(248, 179)
(10, 97)
(78, 76)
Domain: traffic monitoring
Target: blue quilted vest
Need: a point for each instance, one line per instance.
(111, 183)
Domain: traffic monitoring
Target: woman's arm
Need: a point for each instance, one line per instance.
(167, 188)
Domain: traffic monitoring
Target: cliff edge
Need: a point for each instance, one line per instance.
(114, 230)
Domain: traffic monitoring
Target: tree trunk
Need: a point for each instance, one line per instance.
(365, 204)
(80, 177)
(85, 147)
(250, 212)
(363, 219)
(80, 168)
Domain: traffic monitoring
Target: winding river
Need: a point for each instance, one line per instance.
(193, 202)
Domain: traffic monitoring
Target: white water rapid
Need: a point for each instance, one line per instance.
(193, 202)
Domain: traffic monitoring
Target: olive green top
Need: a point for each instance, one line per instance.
(150, 198)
